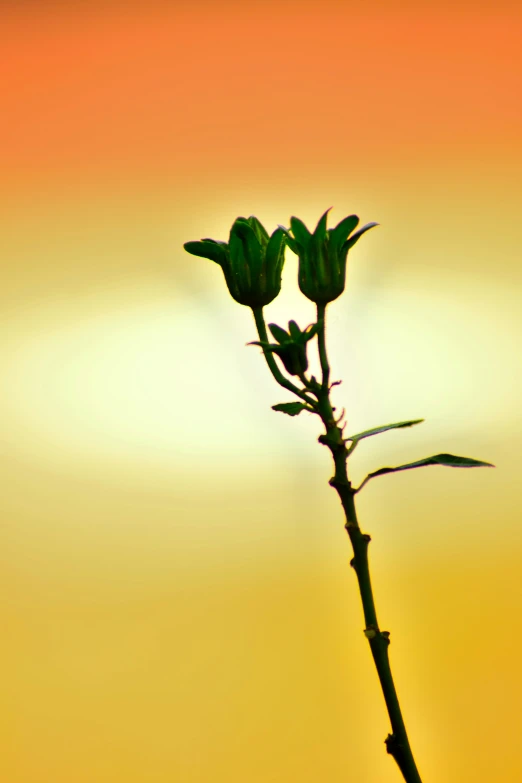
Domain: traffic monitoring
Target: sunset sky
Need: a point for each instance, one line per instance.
(177, 596)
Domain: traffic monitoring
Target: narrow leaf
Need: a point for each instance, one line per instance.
(208, 248)
(275, 258)
(294, 246)
(311, 331)
(449, 460)
(384, 428)
(291, 408)
(300, 231)
(295, 332)
(250, 250)
(339, 234)
(262, 343)
(350, 242)
(320, 229)
(258, 229)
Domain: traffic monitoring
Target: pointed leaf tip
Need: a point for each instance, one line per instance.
(350, 242)
(257, 342)
(207, 248)
(384, 428)
(447, 460)
(292, 243)
(320, 229)
(294, 331)
(300, 231)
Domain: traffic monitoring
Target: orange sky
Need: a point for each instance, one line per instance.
(161, 89)
(174, 575)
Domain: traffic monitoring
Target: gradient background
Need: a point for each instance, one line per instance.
(176, 598)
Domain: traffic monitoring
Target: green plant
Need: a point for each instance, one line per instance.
(252, 263)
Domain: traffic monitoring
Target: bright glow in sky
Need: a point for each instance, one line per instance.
(124, 385)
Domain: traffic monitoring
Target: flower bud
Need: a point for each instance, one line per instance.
(322, 255)
(252, 262)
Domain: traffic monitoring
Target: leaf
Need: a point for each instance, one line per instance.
(449, 460)
(208, 248)
(275, 257)
(339, 234)
(377, 430)
(258, 229)
(291, 408)
(320, 229)
(358, 234)
(280, 350)
(279, 334)
(295, 332)
(294, 246)
(250, 250)
(263, 343)
(300, 232)
(311, 331)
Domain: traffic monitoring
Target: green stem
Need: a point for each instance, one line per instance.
(321, 339)
(397, 743)
(276, 372)
(310, 384)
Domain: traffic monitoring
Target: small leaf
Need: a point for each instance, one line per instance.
(294, 246)
(262, 343)
(358, 234)
(279, 334)
(291, 408)
(300, 231)
(295, 332)
(320, 229)
(339, 234)
(311, 331)
(449, 460)
(250, 248)
(275, 257)
(208, 248)
(258, 229)
(384, 428)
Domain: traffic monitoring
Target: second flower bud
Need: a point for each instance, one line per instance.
(291, 345)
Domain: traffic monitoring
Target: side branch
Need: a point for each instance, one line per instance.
(276, 372)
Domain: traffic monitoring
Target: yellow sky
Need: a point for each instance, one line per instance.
(175, 576)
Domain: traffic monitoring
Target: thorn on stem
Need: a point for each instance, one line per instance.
(338, 421)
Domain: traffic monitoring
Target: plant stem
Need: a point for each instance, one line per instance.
(397, 743)
(321, 338)
(276, 372)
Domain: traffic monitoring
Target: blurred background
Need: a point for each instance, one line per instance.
(176, 596)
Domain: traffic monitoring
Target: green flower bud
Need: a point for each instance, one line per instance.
(292, 345)
(322, 255)
(252, 262)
